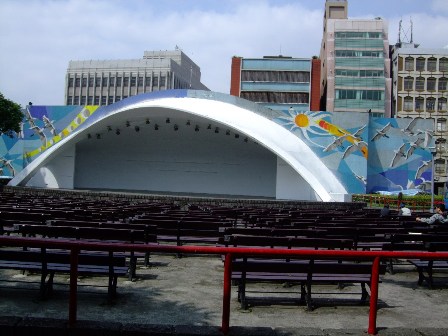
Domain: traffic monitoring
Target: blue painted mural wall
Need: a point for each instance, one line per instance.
(366, 154)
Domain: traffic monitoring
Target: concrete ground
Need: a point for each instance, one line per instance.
(183, 296)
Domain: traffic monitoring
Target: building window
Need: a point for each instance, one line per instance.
(126, 81)
(440, 166)
(118, 81)
(112, 81)
(104, 81)
(97, 100)
(409, 83)
(69, 100)
(76, 101)
(110, 100)
(430, 104)
(431, 84)
(140, 81)
(77, 82)
(162, 80)
(432, 64)
(70, 82)
(441, 125)
(443, 64)
(133, 81)
(117, 98)
(83, 100)
(409, 64)
(103, 100)
(420, 84)
(98, 81)
(84, 82)
(408, 104)
(420, 66)
(419, 104)
(148, 81)
(89, 100)
(155, 81)
(90, 81)
(441, 104)
(442, 84)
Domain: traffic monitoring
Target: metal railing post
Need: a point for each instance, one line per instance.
(73, 303)
(374, 295)
(226, 295)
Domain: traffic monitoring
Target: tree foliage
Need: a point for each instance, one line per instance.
(10, 116)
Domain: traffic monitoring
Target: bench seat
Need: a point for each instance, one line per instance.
(49, 262)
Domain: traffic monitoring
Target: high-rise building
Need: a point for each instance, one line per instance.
(104, 82)
(355, 75)
(277, 82)
(420, 90)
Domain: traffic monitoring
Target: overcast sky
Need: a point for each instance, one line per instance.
(40, 37)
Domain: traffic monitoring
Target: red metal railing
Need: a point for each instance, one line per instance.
(230, 253)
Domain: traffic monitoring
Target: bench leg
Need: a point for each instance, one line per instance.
(242, 295)
(364, 293)
(132, 268)
(302, 293)
(421, 276)
(309, 300)
(147, 256)
(112, 287)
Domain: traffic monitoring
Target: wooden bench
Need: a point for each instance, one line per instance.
(49, 262)
(427, 268)
(304, 272)
(94, 233)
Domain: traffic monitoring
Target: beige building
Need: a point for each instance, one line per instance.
(104, 82)
(420, 81)
(355, 64)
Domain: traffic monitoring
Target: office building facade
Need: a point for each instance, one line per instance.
(420, 90)
(277, 82)
(355, 64)
(104, 82)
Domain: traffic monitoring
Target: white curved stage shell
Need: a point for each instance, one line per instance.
(219, 148)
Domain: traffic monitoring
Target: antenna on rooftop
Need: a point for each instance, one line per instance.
(405, 33)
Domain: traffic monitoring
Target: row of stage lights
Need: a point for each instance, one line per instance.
(156, 128)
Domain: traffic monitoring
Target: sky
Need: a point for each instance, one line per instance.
(39, 37)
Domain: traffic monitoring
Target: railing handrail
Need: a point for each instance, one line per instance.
(229, 252)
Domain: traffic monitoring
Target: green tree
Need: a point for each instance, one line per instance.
(10, 116)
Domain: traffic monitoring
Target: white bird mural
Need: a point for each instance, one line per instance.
(423, 167)
(413, 147)
(49, 124)
(382, 132)
(338, 141)
(409, 129)
(7, 164)
(352, 148)
(399, 154)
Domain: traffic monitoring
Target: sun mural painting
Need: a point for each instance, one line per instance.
(316, 127)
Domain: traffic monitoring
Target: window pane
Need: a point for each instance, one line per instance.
(97, 81)
(70, 82)
(118, 81)
(409, 64)
(133, 81)
(104, 81)
(420, 84)
(112, 81)
(442, 84)
(430, 104)
(409, 83)
(77, 82)
(97, 100)
(140, 81)
(103, 100)
(431, 84)
(443, 64)
(419, 104)
(126, 81)
(83, 100)
(408, 103)
(432, 64)
(441, 106)
(420, 66)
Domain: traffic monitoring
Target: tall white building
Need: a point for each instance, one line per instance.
(104, 82)
(420, 89)
(355, 73)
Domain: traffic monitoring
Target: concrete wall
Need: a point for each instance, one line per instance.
(59, 173)
(176, 161)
